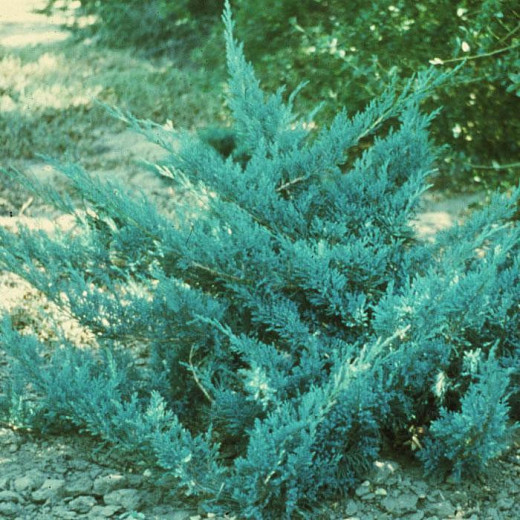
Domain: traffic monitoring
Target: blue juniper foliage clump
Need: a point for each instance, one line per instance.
(288, 317)
(469, 438)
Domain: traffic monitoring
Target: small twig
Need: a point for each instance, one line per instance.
(290, 183)
(510, 33)
(217, 273)
(25, 205)
(439, 61)
(191, 231)
(497, 167)
(197, 380)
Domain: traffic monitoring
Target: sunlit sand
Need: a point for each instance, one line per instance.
(20, 26)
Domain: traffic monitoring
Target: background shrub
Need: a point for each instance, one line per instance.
(352, 50)
(154, 26)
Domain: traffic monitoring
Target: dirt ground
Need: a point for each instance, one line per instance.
(64, 477)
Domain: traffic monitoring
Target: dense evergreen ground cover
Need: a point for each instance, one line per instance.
(289, 317)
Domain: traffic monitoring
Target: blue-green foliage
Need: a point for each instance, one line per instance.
(466, 440)
(287, 315)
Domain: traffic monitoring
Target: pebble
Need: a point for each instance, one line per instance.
(351, 508)
(363, 489)
(13, 448)
(383, 470)
(24, 483)
(64, 513)
(126, 498)
(79, 486)
(50, 489)
(82, 504)
(104, 511)
(107, 483)
(443, 509)
(402, 504)
(8, 509)
(10, 496)
(420, 488)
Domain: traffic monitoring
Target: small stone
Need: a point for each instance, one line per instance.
(152, 497)
(79, 486)
(442, 509)
(393, 480)
(134, 481)
(381, 492)
(8, 509)
(51, 488)
(390, 504)
(13, 448)
(103, 511)
(435, 496)
(62, 512)
(25, 483)
(79, 465)
(363, 489)
(37, 477)
(127, 498)
(4, 483)
(95, 472)
(351, 509)
(420, 488)
(82, 504)
(406, 482)
(408, 502)
(10, 496)
(383, 470)
(7, 437)
(405, 503)
(107, 483)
